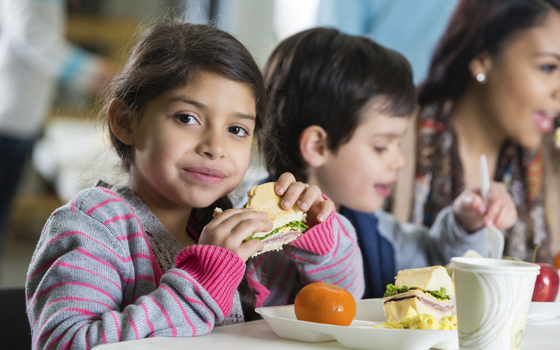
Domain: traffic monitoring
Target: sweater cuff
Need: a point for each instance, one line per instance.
(319, 239)
(218, 270)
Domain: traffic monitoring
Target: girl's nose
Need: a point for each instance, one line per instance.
(212, 145)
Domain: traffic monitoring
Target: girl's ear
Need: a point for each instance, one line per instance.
(313, 145)
(480, 66)
(120, 119)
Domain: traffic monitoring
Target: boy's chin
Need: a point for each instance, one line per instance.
(369, 207)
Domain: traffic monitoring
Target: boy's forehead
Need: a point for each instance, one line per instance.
(379, 123)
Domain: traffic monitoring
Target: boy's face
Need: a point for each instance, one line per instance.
(359, 176)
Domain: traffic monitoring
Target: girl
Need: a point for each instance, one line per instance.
(340, 105)
(146, 258)
(494, 88)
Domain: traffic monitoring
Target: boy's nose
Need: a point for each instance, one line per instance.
(399, 161)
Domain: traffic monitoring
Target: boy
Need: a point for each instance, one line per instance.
(340, 105)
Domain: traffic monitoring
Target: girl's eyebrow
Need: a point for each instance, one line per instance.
(204, 107)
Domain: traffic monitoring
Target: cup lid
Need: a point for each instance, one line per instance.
(494, 265)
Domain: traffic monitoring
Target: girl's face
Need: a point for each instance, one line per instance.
(192, 145)
(359, 176)
(523, 83)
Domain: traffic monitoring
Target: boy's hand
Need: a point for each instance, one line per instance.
(470, 211)
(309, 196)
(229, 228)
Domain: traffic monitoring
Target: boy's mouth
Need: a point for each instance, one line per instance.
(383, 190)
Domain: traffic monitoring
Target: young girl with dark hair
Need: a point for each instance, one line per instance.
(147, 259)
(493, 88)
(339, 106)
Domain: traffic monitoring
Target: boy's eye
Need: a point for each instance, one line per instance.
(548, 68)
(380, 149)
(238, 131)
(186, 119)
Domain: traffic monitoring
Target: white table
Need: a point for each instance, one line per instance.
(257, 335)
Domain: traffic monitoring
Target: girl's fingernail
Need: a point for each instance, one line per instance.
(280, 190)
(468, 199)
(264, 213)
(285, 204)
(321, 217)
(482, 210)
(303, 206)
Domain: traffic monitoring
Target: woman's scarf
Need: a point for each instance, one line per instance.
(438, 167)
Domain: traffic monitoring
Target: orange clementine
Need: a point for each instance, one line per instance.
(325, 303)
(556, 262)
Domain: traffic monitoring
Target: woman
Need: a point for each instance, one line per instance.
(493, 88)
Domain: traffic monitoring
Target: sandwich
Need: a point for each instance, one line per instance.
(287, 225)
(427, 290)
(557, 137)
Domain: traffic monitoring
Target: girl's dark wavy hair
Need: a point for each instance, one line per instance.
(324, 77)
(477, 26)
(167, 55)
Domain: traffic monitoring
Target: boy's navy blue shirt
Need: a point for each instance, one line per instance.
(377, 252)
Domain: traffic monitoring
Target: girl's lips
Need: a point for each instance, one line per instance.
(205, 174)
(544, 121)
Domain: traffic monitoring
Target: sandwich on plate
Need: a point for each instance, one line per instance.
(287, 225)
(427, 290)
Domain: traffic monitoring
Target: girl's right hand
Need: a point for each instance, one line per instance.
(230, 228)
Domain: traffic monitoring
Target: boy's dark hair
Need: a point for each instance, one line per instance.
(167, 55)
(323, 77)
(477, 26)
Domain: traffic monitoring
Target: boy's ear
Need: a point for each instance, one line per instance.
(120, 119)
(481, 64)
(313, 145)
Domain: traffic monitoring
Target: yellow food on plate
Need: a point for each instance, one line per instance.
(413, 320)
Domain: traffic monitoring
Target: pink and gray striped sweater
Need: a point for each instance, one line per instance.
(94, 277)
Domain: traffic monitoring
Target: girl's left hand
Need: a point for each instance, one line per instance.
(310, 198)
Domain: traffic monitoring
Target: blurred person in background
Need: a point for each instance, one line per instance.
(493, 88)
(410, 27)
(34, 57)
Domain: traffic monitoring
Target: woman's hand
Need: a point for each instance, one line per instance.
(310, 198)
(230, 228)
(471, 212)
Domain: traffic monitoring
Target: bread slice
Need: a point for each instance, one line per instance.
(426, 278)
(264, 198)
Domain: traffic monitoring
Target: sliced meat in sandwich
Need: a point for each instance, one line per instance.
(428, 290)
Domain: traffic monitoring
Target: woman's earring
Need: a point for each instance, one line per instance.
(481, 78)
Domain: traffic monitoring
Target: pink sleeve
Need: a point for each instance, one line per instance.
(319, 239)
(217, 269)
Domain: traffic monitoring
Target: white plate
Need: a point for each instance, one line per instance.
(360, 334)
(543, 311)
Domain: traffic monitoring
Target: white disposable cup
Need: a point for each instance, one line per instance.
(492, 298)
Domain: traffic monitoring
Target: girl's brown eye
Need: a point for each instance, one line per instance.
(238, 131)
(186, 119)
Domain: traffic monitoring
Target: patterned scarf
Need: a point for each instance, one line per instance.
(522, 171)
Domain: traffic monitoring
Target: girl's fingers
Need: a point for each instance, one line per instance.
(327, 207)
(477, 204)
(284, 181)
(494, 210)
(247, 249)
(225, 227)
(311, 195)
(223, 216)
(246, 228)
(293, 194)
